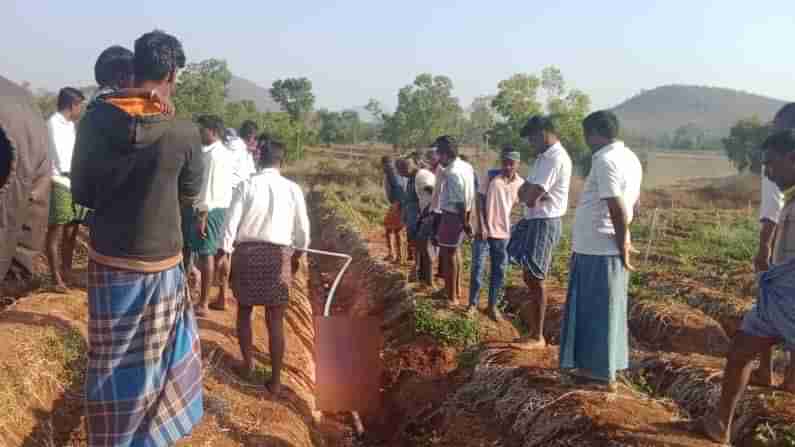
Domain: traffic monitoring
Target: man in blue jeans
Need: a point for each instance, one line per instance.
(497, 194)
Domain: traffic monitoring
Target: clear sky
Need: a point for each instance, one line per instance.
(355, 50)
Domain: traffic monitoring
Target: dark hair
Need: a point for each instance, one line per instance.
(270, 151)
(247, 129)
(447, 145)
(68, 97)
(214, 123)
(386, 159)
(7, 156)
(157, 54)
(787, 116)
(782, 141)
(113, 66)
(538, 123)
(603, 123)
(507, 148)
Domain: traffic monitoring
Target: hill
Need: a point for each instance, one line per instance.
(240, 89)
(662, 110)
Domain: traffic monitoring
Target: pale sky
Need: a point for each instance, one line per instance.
(355, 50)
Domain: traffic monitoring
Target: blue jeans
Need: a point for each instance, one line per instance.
(497, 251)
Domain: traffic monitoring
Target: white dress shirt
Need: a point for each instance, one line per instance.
(615, 172)
(423, 180)
(552, 172)
(772, 201)
(267, 208)
(62, 144)
(459, 186)
(219, 165)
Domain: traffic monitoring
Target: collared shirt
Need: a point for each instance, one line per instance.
(615, 172)
(243, 161)
(772, 201)
(459, 187)
(436, 199)
(501, 195)
(552, 172)
(784, 247)
(422, 181)
(267, 208)
(219, 178)
(62, 143)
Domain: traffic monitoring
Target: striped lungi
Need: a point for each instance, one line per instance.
(261, 274)
(144, 375)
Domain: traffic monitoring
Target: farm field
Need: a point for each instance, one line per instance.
(449, 380)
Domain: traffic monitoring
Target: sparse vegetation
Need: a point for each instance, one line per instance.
(452, 330)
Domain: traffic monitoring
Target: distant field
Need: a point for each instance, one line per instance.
(666, 168)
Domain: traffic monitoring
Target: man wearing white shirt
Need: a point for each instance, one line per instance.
(243, 146)
(64, 219)
(594, 336)
(546, 197)
(771, 204)
(214, 199)
(266, 220)
(456, 201)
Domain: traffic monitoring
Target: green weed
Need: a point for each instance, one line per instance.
(452, 330)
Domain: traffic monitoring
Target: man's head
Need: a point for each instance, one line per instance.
(69, 102)
(779, 158)
(600, 128)
(212, 128)
(510, 159)
(270, 152)
(114, 68)
(446, 149)
(432, 158)
(785, 118)
(541, 132)
(158, 59)
(248, 133)
(406, 167)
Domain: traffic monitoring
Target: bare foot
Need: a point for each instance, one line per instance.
(788, 386)
(275, 389)
(714, 430)
(60, 288)
(201, 311)
(762, 378)
(219, 305)
(528, 343)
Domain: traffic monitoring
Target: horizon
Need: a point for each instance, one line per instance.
(356, 51)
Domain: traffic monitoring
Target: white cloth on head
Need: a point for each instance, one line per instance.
(243, 160)
(219, 164)
(616, 172)
(552, 172)
(62, 143)
(267, 208)
(423, 180)
(772, 201)
(459, 186)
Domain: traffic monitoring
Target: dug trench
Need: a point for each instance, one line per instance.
(444, 385)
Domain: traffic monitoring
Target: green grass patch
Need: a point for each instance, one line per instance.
(66, 348)
(451, 330)
(774, 435)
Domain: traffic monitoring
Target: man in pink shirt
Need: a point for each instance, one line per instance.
(499, 191)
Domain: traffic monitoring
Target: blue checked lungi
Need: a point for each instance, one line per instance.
(594, 335)
(144, 375)
(532, 244)
(773, 315)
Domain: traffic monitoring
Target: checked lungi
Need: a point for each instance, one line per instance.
(262, 274)
(144, 375)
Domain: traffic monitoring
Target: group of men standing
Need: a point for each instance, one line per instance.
(161, 191)
(594, 339)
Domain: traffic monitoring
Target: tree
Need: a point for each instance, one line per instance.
(237, 112)
(425, 110)
(201, 88)
(376, 109)
(518, 99)
(481, 120)
(331, 127)
(296, 97)
(352, 125)
(743, 143)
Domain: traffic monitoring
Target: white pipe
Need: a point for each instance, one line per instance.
(357, 421)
